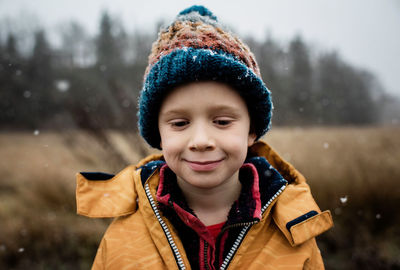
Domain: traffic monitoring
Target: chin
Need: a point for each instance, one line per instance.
(204, 180)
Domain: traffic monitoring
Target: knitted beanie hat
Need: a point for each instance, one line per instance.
(195, 47)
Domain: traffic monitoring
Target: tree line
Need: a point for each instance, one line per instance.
(93, 82)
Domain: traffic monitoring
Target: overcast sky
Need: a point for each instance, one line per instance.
(365, 32)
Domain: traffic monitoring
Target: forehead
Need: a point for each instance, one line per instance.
(210, 94)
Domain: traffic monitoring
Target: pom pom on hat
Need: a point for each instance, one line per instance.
(203, 11)
(196, 48)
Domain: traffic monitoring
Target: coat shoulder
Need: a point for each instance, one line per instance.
(103, 195)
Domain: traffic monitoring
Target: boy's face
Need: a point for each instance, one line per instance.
(204, 128)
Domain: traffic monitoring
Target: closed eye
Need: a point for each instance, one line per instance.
(223, 122)
(179, 123)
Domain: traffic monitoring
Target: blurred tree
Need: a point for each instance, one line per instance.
(11, 48)
(76, 49)
(11, 83)
(94, 82)
(40, 78)
(346, 95)
(110, 45)
(141, 46)
(363, 97)
(331, 93)
(111, 65)
(41, 59)
(272, 63)
(300, 92)
(390, 109)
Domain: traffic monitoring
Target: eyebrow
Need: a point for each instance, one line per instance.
(171, 112)
(214, 108)
(224, 108)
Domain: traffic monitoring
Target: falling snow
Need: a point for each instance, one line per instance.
(343, 199)
(62, 85)
(27, 94)
(268, 173)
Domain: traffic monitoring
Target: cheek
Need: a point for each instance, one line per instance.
(236, 144)
(171, 145)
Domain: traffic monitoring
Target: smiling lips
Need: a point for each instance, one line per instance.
(204, 166)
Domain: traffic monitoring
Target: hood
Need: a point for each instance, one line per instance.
(296, 213)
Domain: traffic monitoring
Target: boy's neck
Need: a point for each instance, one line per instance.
(212, 206)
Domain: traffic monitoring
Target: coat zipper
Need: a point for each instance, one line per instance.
(242, 224)
(243, 232)
(205, 255)
(164, 226)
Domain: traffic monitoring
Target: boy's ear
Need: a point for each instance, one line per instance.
(251, 139)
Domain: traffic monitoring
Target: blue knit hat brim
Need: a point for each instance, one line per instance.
(187, 65)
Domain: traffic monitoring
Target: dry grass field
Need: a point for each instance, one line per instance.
(354, 172)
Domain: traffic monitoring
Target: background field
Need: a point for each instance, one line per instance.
(354, 172)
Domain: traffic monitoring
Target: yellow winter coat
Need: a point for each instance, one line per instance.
(140, 237)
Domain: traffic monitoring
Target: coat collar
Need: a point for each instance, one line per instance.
(295, 212)
(246, 209)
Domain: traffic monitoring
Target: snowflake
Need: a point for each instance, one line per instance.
(343, 199)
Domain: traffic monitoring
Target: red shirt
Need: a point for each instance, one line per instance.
(215, 229)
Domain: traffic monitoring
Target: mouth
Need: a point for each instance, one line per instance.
(204, 166)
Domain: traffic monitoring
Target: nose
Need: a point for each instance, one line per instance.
(201, 139)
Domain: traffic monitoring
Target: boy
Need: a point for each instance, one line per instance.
(216, 198)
